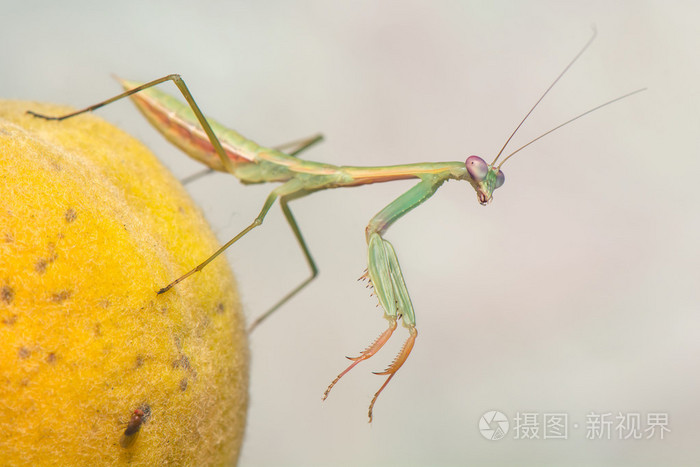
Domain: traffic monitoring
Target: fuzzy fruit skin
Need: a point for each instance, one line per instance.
(91, 226)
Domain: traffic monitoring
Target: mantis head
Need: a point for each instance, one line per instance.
(484, 178)
(487, 177)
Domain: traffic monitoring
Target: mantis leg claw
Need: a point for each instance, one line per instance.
(395, 366)
(365, 354)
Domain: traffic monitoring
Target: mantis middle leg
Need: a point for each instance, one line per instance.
(314, 270)
(288, 188)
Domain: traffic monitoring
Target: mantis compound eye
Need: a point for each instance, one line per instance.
(500, 179)
(477, 168)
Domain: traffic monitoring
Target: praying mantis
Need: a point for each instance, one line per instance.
(225, 150)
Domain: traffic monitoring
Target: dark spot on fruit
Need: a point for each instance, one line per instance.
(40, 266)
(61, 296)
(43, 263)
(7, 294)
(139, 361)
(97, 330)
(51, 358)
(183, 384)
(70, 215)
(220, 308)
(24, 352)
(9, 320)
(182, 362)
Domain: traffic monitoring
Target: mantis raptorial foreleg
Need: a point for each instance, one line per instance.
(384, 273)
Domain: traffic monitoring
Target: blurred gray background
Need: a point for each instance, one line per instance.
(575, 291)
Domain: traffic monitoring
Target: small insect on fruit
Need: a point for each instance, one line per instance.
(131, 432)
(222, 149)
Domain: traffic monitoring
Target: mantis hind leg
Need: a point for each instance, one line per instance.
(180, 83)
(314, 270)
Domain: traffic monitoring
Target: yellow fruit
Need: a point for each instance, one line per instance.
(91, 226)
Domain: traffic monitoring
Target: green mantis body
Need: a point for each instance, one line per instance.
(226, 150)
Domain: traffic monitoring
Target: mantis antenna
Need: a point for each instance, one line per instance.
(593, 36)
(569, 121)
